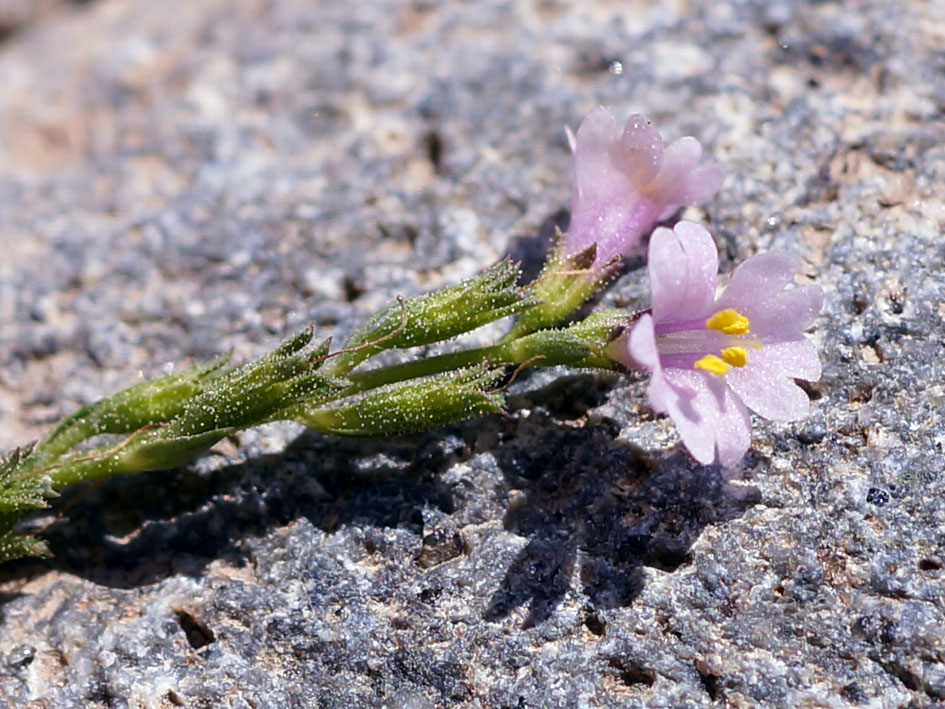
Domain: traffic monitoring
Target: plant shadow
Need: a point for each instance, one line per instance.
(599, 509)
(138, 529)
(589, 504)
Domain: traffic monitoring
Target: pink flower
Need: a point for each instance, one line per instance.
(711, 358)
(625, 182)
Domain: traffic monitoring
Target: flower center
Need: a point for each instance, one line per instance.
(729, 322)
(724, 342)
(718, 364)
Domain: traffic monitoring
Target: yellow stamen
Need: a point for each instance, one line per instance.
(729, 321)
(711, 363)
(735, 356)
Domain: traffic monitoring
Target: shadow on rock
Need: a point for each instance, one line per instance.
(138, 529)
(596, 505)
(591, 506)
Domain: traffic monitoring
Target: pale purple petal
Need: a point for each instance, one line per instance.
(798, 358)
(712, 422)
(786, 314)
(697, 186)
(766, 383)
(794, 359)
(667, 396)
(682, 267)
(641, 345)
(733, 429)
(623, 228)
(641, 150)
(605, 208)
(595, 138)
(679, 160)
(615, 225)
(625, 182)
(759, 277)
(757, 289)
(702, 184)
(675, 396)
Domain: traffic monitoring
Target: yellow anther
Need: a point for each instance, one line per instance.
(711, 363)
(729, 321)
(735, 356)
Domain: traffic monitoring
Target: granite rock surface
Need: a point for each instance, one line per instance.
(179, 180)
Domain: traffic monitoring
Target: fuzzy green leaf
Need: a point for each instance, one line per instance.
(21, 492)
(256, 392)
(437, 316)
(406, 407)
(145, 403)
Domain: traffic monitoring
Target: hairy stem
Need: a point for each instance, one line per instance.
(373, 378)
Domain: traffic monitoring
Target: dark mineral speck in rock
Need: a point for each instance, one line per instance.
(198, 633)
(438, 547)
(812, 433)
(21, 656)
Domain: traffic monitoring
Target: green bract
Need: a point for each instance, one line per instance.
(171, 420)
(564, 284)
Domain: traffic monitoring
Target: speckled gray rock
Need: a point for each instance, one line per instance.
(179, 181)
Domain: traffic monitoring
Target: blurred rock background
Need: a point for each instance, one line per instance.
(182, 179)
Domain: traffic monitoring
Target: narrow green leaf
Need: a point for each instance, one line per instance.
(417, 405)
(254, 393)
(21, 492)
(129, 410)
(437, 316)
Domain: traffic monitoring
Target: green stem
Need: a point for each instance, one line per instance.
(373, 378)
(547, 348)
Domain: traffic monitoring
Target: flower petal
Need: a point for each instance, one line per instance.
(641, 150)
(702, 184)
(766, 383)
(759, 277)
(624, 183)
(593, 143)
(667, 396)
(605, 208)
(679, 160)
(682, 267)
(797, 359)
(712, 422)
(786, 314)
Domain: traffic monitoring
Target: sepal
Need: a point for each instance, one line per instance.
(598, 331)
(256, 392)
(565, 283)
(246, 396)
